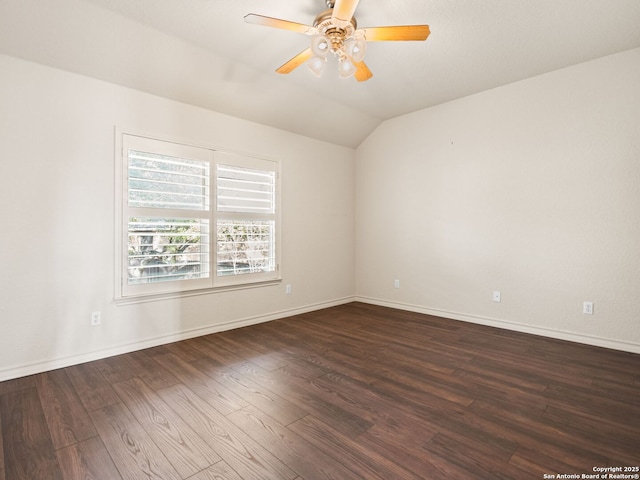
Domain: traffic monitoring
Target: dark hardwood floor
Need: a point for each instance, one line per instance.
(351, 392)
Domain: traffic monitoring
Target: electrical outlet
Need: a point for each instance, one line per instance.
(587, 308)
(496, 296)
(96, 318)
(396, 284)
(287, 289)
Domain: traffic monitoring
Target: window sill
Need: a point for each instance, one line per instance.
(134, 299)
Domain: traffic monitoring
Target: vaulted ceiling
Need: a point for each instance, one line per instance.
(202, 52)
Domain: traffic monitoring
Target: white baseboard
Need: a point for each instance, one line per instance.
(507, 325)
(54, 363)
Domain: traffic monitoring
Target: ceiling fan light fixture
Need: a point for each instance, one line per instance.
(346, 68)
(320, 45)
(336, 30)
(317, 65)
(356, 48)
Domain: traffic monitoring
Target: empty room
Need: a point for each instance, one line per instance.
(319, 239)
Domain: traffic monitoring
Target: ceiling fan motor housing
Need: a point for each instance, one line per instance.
(334, 34)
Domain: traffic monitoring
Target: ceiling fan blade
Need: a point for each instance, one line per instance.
(362, 72)
(282, 24)
(296, 61)
(396, 33)
(343, 11)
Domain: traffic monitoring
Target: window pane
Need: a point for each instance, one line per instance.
(160, 181)
(245, 190)
(162, 250)
(245, 247)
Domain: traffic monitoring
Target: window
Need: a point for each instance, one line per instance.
(194, 218)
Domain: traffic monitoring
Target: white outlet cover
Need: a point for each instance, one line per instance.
(496, 296)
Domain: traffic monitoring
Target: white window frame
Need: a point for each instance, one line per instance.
(126, 141)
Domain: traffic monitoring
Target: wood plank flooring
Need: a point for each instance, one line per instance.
(350, 392)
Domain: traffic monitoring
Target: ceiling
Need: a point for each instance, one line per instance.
(201, 52)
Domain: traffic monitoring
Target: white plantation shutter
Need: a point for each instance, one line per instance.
(160, 181)
(245, 246)
(246, 217)
(167, 249)
(172, 196)
(245, 190)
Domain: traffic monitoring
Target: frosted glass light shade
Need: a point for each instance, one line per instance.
(345, 68)
(317, 65)
(356, 49)
(320, 45)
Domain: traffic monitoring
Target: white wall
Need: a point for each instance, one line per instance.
(532, 189)
(57, 219)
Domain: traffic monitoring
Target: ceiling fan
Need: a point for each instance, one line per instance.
(335, 30)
